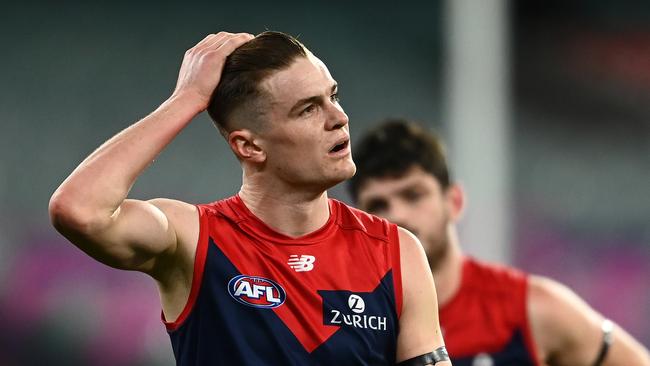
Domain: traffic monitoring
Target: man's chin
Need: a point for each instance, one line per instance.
(345, 173)
(351, 172)
(346, 167)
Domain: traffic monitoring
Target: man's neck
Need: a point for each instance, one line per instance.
(292, 213)
(449, 271)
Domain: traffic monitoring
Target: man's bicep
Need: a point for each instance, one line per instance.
(564, 327)
(139, 233)
(419, 327)
(569, 331)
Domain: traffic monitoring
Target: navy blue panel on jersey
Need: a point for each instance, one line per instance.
(222, 331)
(369, 325)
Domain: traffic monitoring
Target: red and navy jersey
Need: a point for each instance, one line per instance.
(486, 322)
(332, 297)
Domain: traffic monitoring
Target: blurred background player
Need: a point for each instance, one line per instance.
(490, 314)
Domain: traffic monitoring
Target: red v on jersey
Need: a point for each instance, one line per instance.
(337, 266)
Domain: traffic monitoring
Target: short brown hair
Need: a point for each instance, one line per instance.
(394, 147)
(246, 68)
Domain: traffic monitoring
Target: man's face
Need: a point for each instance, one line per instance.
(415, 201)
(307, 141)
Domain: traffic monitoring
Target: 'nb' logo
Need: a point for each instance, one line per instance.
(301, 263)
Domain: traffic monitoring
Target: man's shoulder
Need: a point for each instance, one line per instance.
(175, 210)
(185, 210)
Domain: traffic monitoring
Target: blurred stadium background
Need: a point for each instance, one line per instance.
(573, 118)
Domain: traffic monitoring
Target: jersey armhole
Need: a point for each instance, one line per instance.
(528, 333)
(396, 267)
(197, 276)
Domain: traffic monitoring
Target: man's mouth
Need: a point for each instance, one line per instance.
(340, 146)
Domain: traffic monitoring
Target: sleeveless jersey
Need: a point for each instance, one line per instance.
(486, 322)
(331, 297)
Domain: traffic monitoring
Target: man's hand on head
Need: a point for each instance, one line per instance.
(202, 65)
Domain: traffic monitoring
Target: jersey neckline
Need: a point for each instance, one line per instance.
(261, 229)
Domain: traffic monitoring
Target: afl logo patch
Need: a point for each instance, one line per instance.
(258, 292)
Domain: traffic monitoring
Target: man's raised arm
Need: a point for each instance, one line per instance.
(90, 207)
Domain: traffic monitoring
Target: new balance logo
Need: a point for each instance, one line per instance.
(301, 263)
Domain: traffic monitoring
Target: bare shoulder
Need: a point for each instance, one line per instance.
(176, 210)
(564, 327)
(182, 215)
(567, 330)
(547, 296)
(414, 265)
(416, 274)
(410, 247)
(184, 218)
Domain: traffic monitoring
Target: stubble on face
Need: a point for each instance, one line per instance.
(437, 246)
(426, 216)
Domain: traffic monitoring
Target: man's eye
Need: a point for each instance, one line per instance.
(335, 97)
(310, 108)
(412, 196)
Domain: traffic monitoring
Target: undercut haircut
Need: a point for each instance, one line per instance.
(391, 149)
(244, 71)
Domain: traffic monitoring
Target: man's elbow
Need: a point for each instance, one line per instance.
(71, 217)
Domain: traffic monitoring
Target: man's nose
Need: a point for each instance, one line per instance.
(336, 116)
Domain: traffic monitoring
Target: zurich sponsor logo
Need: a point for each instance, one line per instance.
(357, 318)
(258, 292)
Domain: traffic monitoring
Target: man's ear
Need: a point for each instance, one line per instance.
(456, 200)
(243, 144)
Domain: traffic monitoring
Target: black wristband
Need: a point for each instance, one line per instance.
(438, 355)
